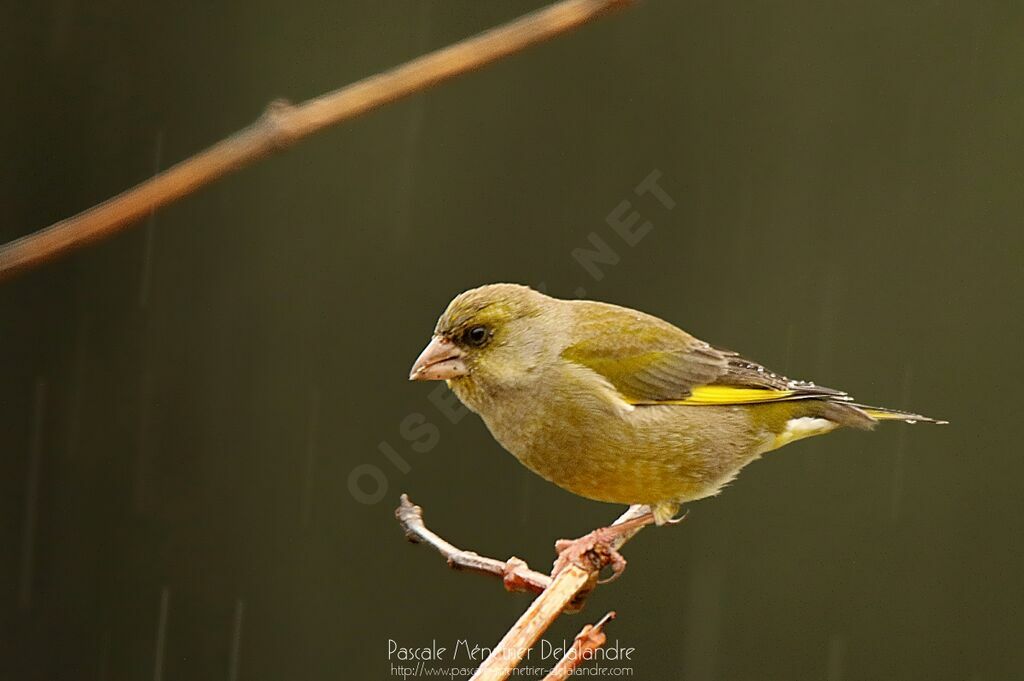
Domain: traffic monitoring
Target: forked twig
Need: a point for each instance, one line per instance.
(566, 591)
(283, 124)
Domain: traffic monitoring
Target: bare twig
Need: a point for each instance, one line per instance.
(515, 573)
(563, 592)
(571, 585)
(284, 124)
(528, 629)
(587, 641)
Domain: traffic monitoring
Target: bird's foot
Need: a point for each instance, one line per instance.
(599, 548)
(592, 551)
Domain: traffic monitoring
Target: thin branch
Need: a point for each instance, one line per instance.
(514, 573)
(284, 124)
(571, 585)
(564, 592)
(528, 629)
(586, 642)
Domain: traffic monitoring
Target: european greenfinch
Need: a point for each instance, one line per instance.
(619, 406)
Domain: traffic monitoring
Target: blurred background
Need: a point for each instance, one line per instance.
(206, 421)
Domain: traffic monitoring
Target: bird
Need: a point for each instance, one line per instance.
(620, 406)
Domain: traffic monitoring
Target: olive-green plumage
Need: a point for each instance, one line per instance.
(617, 405)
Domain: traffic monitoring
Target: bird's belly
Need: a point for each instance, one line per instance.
(647, 455)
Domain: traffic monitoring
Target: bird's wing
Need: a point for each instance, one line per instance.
(650, 361)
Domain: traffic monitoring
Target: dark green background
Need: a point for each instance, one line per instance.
(188, 399)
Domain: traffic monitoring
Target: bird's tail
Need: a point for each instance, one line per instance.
(883, 414)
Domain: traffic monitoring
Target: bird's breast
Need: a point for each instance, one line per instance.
(579, 434)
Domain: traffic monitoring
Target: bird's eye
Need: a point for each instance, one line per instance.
(477, 335)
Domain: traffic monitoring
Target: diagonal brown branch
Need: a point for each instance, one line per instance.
(564, 592)
(284, 124)
(527, 630)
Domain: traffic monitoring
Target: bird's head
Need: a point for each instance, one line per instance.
(492, 336)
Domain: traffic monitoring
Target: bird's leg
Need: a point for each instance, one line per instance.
(596, 549)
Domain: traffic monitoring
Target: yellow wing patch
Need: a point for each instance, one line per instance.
(725, 394)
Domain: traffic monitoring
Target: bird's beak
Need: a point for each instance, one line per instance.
(440, 360)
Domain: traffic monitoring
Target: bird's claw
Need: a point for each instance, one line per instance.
(678, 519)
(592, 551)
